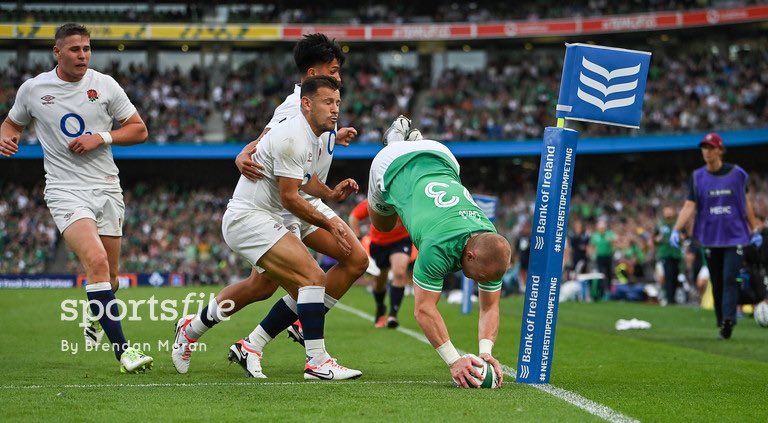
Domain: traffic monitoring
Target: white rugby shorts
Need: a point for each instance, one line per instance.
(251, 233)
(105, 207)
(301, 228)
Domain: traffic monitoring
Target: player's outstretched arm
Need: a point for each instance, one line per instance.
(133, 131)
(354, 224)
(433, 325)
(245, 163)
(299, 207)
(340, 192)
(488, 328)
(10, 134)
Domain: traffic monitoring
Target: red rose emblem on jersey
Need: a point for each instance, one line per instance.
(92, 95)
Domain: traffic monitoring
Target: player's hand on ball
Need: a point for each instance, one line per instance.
(86, 143)
(345, 135)
(496, 366)
(247, 166)
(9, 146)
(465, 372)
(339, 232)
(344, 189)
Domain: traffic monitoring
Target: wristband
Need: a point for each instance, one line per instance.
(448, 353)
(486, 345)
(106, 136)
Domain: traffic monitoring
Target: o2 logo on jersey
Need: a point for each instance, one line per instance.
(433, 191)
(331, 141)
(69, 117)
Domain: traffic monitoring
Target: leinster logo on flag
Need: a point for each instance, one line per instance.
(603, 84)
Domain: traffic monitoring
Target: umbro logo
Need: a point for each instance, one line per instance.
(47, 99)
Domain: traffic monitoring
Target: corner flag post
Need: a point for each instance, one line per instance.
(600, 85)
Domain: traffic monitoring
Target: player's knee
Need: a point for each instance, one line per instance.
(399, 273)
(381, 282)
(420, 313)
(260, 290)
(312, 277)
(358, 260)
(97, 263)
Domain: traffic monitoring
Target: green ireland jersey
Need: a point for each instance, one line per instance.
(439, 213)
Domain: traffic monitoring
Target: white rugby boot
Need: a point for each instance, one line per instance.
(248, 359)
(397, 131)
(134, 361)
(182, 345)
(330, 370)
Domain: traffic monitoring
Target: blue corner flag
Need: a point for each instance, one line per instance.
(603, 85)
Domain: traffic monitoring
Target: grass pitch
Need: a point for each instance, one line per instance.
(676, 371)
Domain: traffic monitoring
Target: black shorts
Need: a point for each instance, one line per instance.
(381, 253)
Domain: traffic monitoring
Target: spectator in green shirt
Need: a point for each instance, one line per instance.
(601, 247)
(668, 255)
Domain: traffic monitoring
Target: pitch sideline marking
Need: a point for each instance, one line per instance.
(198, 384)
(594, 408)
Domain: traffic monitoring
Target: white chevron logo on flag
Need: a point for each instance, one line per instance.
(607, 89)
(539, 243)
(524, 372)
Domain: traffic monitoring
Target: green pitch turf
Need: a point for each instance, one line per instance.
(676, 371)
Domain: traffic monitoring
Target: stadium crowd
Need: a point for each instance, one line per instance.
(347, 12)
(173, 104)
(28, 236)
(169, 228)
(513, 97)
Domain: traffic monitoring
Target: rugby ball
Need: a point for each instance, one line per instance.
(488, 379)
(761, 314)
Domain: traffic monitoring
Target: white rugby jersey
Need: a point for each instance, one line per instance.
(393, 151)
(289, 150)
(61, 111)
(292, 107)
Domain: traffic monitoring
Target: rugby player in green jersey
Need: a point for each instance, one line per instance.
(418, 180)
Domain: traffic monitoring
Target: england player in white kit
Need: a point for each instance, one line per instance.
(314, 55)
(254, 228)
(72, 109)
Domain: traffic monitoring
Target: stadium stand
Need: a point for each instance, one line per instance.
(510, 99)
(28, 236)
(342, 12)
(169, 228)
(696, 84)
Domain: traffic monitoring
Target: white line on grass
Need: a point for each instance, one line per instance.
(570, 397)
(198, 384)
